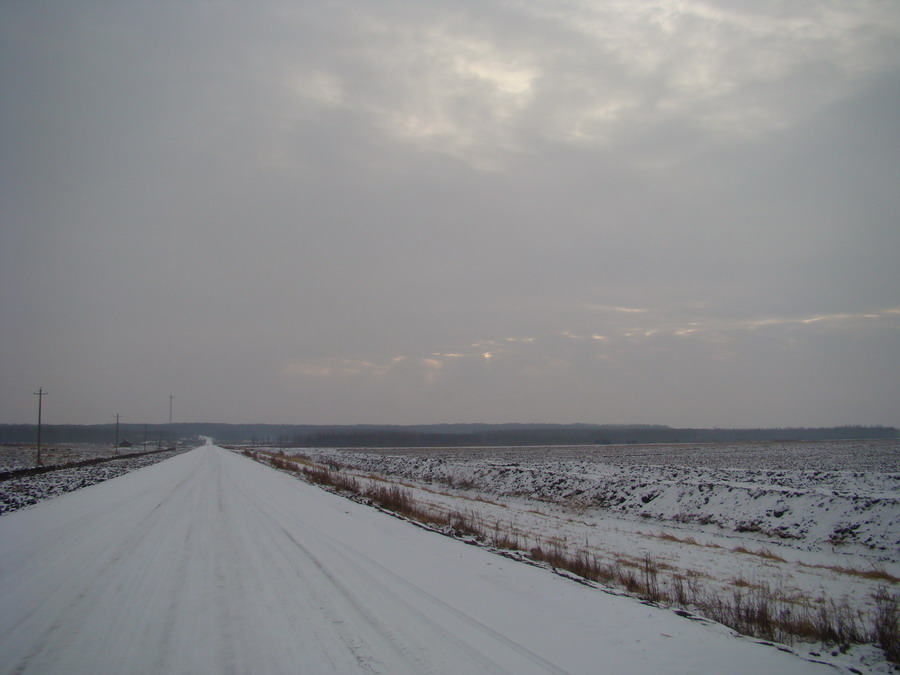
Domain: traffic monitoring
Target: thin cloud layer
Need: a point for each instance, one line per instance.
(679, 213)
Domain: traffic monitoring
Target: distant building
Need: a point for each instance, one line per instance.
(126, 444)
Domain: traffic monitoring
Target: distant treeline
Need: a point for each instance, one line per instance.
(569, 435)
(436, 435)
(95, 434)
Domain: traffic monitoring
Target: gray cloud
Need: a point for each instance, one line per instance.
(331, 213)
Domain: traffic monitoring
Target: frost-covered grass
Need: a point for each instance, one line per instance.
(728, 562)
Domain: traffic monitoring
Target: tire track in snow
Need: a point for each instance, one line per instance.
(325, 588)
(86, 596)
(307, 598)
(349, 554)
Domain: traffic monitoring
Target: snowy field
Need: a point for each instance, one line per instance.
(17, 493)
(813, 525)
(17, 456)
(212, 563)
(838, 494)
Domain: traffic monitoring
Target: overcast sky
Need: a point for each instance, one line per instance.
(402, 211)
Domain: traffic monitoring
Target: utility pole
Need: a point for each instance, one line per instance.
(117, 433)
(40, 393)
(171, 431)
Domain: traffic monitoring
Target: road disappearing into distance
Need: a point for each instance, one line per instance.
(211, 563)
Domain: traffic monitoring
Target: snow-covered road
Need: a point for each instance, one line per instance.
(212, 563)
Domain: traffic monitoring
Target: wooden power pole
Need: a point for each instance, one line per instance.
(40, 393)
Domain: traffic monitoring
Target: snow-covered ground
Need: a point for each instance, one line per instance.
(817, 525)
(17, 493)
(211, 563)
(842, 494)
(18, 456)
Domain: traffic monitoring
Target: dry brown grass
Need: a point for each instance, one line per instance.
(875, 573)
(886, 631)
(761, 553)
(690, 541)
(769, 555)
(667, 536)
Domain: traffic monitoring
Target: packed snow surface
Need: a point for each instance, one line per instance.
(211, 563)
